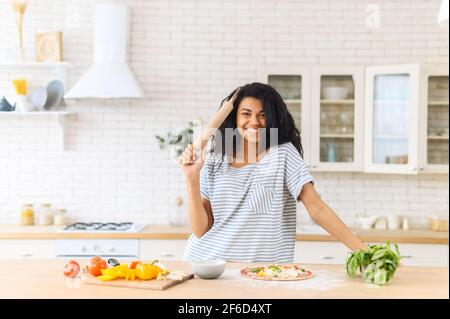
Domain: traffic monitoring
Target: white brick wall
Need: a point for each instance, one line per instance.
(188, 55)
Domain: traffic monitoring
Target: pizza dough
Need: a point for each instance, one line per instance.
(284, 272)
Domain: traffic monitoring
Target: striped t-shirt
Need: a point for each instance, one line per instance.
(254, 208)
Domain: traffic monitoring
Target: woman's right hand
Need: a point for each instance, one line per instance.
(189, 163)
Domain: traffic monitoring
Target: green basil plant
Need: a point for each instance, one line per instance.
(377, 264)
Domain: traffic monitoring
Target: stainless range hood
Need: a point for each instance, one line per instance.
(109, 76)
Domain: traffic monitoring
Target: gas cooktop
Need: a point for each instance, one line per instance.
(125, 227)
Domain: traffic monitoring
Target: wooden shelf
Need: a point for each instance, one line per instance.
(60, 116)
(438, 103)
(292, 101)
(323, 101)
(438, 137)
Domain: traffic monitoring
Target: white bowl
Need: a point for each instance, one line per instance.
(208, 269)
(335, 92)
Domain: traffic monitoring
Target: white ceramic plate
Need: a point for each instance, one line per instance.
(55, 93)
(39, 98)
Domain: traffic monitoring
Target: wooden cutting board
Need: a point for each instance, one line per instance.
(154, 284)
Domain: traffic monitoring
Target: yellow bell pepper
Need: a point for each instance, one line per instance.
(107, 277)
(143, 271)
(120, 271)
(131, 275)
(147, 271)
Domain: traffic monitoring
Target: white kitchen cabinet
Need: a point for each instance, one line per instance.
(406, 119)
(27, 249)
(424, 255)
(319, 252)
(434, 120)
(331, 126)
(392, 119)
(162, 249)
(337, 117)
(294, 85)
(420, 255)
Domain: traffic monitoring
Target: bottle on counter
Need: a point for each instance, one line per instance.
(393, 221)
(45, 215)
(27, 215)
(60, 217)
(405, 224)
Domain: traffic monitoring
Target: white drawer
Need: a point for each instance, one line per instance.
(424, 255)
(313, 252)
(418, 255)
(151, 249)
(25, 248)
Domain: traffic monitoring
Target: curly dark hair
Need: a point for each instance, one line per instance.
(276, 116)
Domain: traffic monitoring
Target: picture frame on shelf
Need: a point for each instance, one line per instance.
(49, 47)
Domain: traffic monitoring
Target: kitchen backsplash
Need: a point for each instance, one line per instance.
(188, 55)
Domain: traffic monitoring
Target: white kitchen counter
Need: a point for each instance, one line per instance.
(44, 279)
(419, 236)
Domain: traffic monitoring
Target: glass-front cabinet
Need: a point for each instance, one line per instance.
(294, 86)
(434, 120)
(337, 118)
(391, 125)
(374, 119)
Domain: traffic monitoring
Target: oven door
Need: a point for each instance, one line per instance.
(121, 248)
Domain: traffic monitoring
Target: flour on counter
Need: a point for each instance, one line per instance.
(322, 280)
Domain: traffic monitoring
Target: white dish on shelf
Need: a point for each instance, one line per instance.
(55, 93)
(335, 92)
(39, 98)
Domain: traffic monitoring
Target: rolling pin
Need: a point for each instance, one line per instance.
(213, 125)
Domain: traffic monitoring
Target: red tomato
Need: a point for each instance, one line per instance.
(71, 269)
(96, 259)
(96, 266)
(134, 264)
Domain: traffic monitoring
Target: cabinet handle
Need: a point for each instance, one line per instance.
(326, 257)
(407, 256)
(413, 168)
(421, 168)
(167, 255)
(25, 255)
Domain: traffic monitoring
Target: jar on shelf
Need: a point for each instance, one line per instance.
(27, 215)
(45, 215)
(60, 217)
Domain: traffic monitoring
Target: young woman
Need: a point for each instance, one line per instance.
(243, 195)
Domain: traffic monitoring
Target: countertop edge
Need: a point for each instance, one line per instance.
(185, 236)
